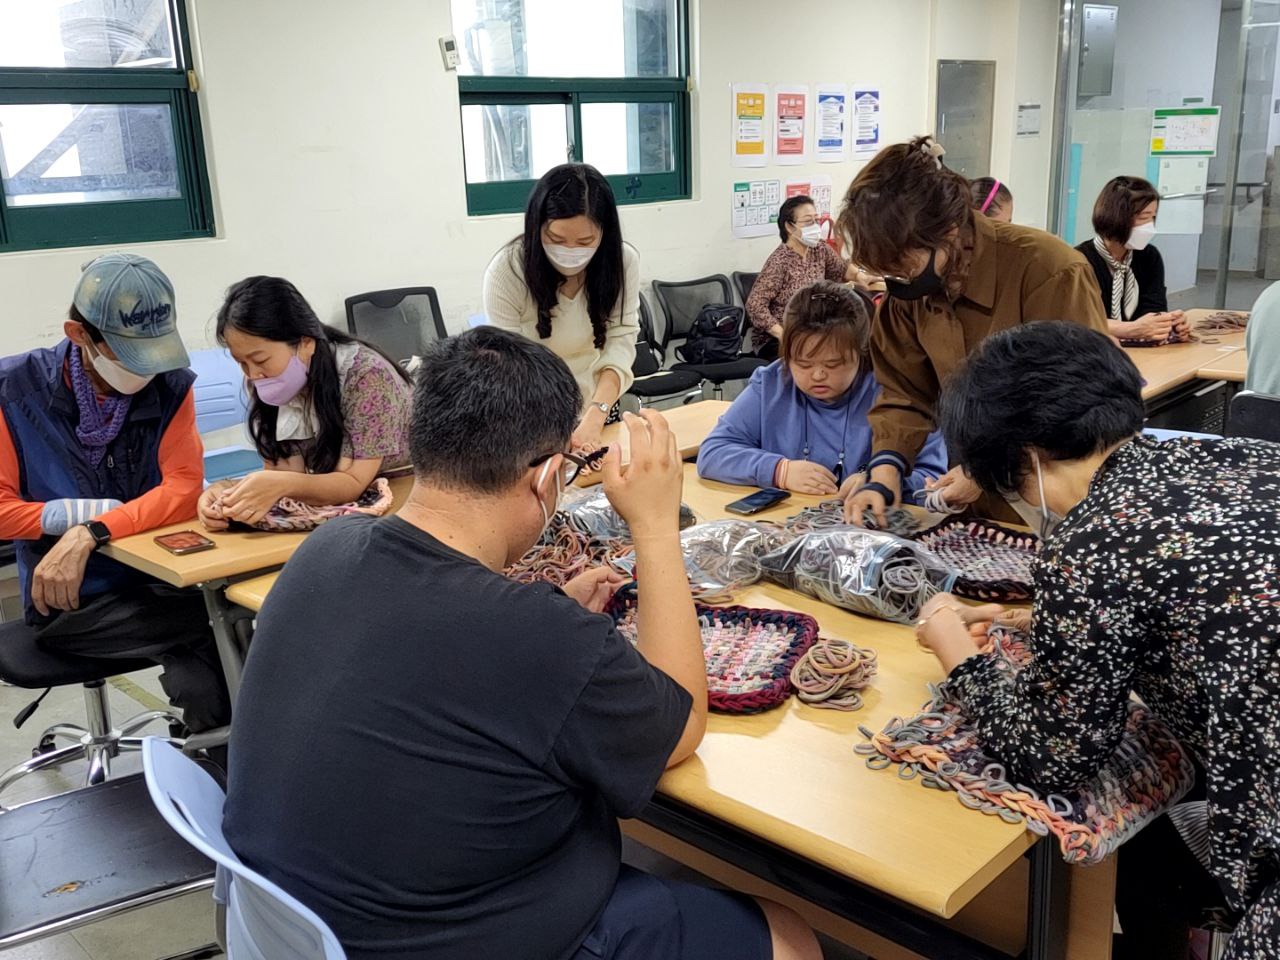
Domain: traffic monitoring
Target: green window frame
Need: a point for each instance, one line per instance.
(49, 226)
(509, 196)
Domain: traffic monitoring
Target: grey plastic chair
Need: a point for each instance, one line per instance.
(262, 919)
(401, 322)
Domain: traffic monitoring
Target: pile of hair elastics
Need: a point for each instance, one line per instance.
(864, 571)
(830, 513)
(563, 553)
(1148, 772)
(833, 673)
(294, 516)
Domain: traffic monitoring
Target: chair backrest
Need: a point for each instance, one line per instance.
(262, 919)
(1255, 415)
(648, 359)
(681, 300)
(744, 282)
(401, 322)
(220, 395)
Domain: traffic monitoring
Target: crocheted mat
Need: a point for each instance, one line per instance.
(294, 516)
(1147, 773)
(994, 562)
(749, 653)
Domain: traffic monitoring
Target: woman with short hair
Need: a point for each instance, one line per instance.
(1159, 578)
(801, 422)
(1129, 268)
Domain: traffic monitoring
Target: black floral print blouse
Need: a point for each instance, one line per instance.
(1163, 582)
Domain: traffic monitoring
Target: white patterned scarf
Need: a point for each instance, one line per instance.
(1124, 286)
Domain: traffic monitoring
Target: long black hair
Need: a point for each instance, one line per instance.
(570, 190)
(273, 309)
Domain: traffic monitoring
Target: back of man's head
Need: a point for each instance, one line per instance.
(487, 404)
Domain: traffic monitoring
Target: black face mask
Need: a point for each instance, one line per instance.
(927, 284)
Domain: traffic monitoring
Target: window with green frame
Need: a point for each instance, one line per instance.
(100, 136)
(603, 82)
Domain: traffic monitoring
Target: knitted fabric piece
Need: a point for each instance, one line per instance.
(1148, 772)
(292, 516)
(994, 562)
(749, 653)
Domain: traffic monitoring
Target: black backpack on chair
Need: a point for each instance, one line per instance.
(715, 337)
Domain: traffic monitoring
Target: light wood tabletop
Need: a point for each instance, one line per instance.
(236, 554)
(791, 777)
(690, 423)
(1231, 367)
(1174, 364)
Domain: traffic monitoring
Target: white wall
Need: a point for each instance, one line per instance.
(334, 141)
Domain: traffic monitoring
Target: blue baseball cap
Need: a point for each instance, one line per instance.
(130, 300)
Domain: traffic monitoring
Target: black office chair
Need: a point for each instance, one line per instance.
(652, 382)
(24, 663)
(401, 322)
(681, 301)
(744, 282)
(1255, 415)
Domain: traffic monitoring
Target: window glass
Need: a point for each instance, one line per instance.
(86, 33)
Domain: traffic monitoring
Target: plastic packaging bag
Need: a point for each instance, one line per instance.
(591, 513)
(865, 571)
(723, 556)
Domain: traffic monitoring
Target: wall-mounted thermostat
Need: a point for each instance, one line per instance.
(449, 53)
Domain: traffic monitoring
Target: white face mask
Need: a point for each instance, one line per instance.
(568, 260)
(546, 517)
(811, 235)
(118, 378)
(1140, 236)
(1041, 517)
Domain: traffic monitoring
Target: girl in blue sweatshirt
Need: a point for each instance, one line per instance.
(801, 423)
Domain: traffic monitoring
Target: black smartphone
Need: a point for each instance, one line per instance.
(184, 542)
(760, 500)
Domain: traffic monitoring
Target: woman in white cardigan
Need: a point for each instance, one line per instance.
(570, 283)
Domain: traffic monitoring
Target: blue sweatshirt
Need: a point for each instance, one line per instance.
(769, 423)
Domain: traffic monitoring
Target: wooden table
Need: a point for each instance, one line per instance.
(1174, 364)
(782, 796)
(1230, 368)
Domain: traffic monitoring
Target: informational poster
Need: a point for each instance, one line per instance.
(831, 123)
(866, 121)
(790, 112)
(755, 208)
(1185, 132)
(1183, 182)
(750, 135)
(1028, 120)
(817, 188)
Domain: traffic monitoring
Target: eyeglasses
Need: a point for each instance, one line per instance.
(573, 465)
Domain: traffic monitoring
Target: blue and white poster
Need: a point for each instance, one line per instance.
(831, 124)
(866, 121)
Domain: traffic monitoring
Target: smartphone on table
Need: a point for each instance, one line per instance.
(185, 541)
(760, 500)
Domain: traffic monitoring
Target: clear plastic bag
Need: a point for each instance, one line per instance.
(590, 512)
(861, 570)
(723, 556)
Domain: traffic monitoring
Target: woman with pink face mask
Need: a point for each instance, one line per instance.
(327, 411)
(570, 283)
(1129, 269)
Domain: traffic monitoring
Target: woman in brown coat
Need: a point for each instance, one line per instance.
(954, 277)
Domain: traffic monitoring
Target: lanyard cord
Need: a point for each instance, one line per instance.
(844, 436)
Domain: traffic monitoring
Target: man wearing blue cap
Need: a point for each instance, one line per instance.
(98, 440)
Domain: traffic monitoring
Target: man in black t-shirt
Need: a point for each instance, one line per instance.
(433, 757)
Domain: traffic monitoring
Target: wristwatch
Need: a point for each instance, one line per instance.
(602, 407)
(99, 531)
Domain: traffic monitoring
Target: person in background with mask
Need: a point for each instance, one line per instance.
(798, 261)
(327, 412)
(482, 737)
(992, 199)
(954, 278)
(1158, 579)
(1129, 269)
(98, 441)
(570, 283)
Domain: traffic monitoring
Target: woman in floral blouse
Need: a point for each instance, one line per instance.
(1160, 577)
